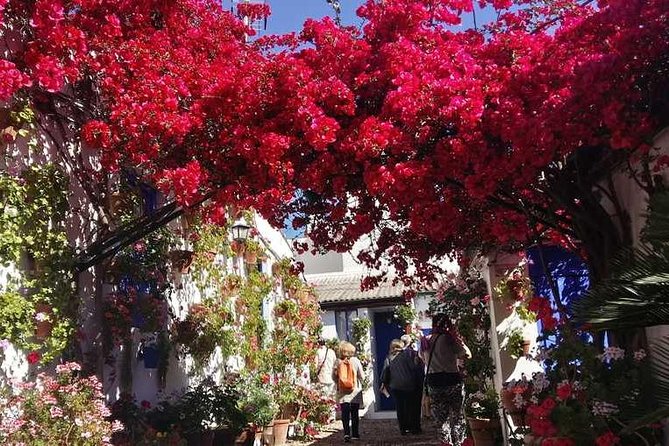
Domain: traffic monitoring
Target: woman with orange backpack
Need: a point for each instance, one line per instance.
(348, 375)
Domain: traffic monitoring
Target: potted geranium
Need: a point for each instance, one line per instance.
(252, 251)
(482, 410)
(257, 403)
(515, 396)
(206, 327)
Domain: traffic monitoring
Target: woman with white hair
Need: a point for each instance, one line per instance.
(348, 375)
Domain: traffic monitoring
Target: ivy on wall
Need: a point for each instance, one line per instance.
(37, 308)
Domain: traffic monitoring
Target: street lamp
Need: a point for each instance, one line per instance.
(240, 230)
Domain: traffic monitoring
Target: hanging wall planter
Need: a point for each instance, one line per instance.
(237, 247)
(181, 260)
(150, 356)
(138, 319)
(43, 324)
(251, 258)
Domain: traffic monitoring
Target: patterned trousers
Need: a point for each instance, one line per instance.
(447, 410)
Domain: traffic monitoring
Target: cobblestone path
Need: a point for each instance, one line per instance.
(375, 433)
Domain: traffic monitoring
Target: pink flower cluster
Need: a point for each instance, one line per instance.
(12, 79)
(62, 407)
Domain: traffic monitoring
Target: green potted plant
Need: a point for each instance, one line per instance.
(482, 410)
(405, 315)
(209, 411)
(515, 344)
(252, 251)
(257, 403)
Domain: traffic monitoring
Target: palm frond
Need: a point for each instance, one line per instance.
(637, 294)
(660, 370)
(656, 231)
(654, 403)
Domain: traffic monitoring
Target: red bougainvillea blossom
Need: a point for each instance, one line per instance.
(431, 138)
(564, 390)
(253, 11)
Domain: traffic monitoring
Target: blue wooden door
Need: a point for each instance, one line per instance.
(386, 329)
(568, 271)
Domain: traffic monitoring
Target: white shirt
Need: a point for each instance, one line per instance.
(326, 357)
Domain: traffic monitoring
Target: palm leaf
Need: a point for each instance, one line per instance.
(637, 294)
(654, 405)
(656, 231)
(660, 369)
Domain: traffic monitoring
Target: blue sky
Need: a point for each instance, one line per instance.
(289, 15)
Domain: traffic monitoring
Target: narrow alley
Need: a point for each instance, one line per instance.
(375, 433)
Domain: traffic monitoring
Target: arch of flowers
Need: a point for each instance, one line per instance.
(432, 138)
(438, 139)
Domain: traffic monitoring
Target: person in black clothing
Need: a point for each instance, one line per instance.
(403, 376)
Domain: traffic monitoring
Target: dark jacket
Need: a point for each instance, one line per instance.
(404, 372)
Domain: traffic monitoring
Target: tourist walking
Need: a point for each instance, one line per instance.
(403, 376)
(325, 362)
(442, 350)
(348, 375)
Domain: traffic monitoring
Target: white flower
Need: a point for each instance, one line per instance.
(639, 355)
(41, 317)
(518, 401)
(603, 409)
(540, 382)
(11, 211)
(612, 354)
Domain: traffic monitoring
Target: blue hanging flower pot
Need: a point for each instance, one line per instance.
(138, 319)
(150, 356)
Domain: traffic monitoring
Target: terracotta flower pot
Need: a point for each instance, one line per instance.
(237, 248)
(485, 432)
(251, 258)
(182, 260)
(526, 346)
(268, 435)
(43, 328)
(280, 432)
